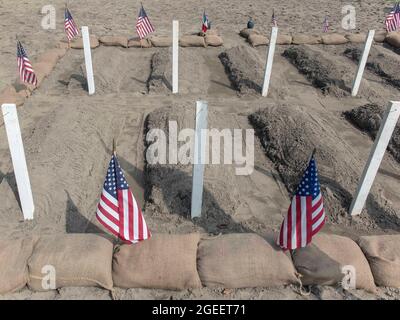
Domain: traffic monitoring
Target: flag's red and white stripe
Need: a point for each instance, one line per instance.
(124, 217)
(143, 24)
(25, 69)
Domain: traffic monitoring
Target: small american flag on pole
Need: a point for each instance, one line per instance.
(274, 22)
(69, 25)
(326, 25)
(26, 73)
(118, 210)
(306, 214)
(393, 18)
(143, 24)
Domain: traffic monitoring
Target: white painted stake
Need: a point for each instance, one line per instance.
(88, 59)
(270, 60)
(200, 140)
(175, 52)
(382, 139)
(362, 63)
(18, 159)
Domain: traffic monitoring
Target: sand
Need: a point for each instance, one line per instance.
(68, 135)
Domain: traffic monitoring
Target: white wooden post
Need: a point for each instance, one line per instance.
(175, 53)
(18, 159)
(88, 59)
(270, 60)
(199, 157)
(382, 139)
(362, 63)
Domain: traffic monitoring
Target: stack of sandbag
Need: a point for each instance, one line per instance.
(356, 37)
(78, 42)
(161, 41)
(393, 38)
(164, 261)
(116, 41)
(212, 38)
(324, 261)
(334, 38)
(245, 33)
(306, 39)
(79, 260)
(383, 255)
(192, 41)
(380, 36)
(14, 255)
(243, 261)
(139, 43)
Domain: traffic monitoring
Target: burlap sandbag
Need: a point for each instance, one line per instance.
(213, 40)
(139, 43)
(116, 41)
(78, 42)
(383, 255)
(334, 38)
(14, 255)
(243, 261)
(393, 38)
(159, 41)
(356, 37)
(306, 39)
(245, 33)
(257, 40)
(321, 262)
(192, 41)
(212, 32)
(165, 261)
(284, 39)
(380, 36)
(9, 95)
(80, 260)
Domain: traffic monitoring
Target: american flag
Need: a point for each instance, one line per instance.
(70, 26)
(306, 214)
(393, 18)
(274, 22)
(326, 25)
(26, 73)
(118, 210)
(204, 22)
(143, 24)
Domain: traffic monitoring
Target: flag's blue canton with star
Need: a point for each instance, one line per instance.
(309, 184)
(115, 179)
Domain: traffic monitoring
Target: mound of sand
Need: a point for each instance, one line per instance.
(319, 69)
(381, 61)
(191, 65)
(368, 118)
(169, 186)
(244, 68)
(289, 134)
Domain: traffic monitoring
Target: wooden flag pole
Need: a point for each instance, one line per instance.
(270, 60)
(382, 139)
(175, 57)
(88, 60)
(199, 156)
(18, 159)
(362, 63)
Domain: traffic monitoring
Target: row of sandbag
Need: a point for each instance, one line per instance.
(211, 38)
(43, 66)
(255, 38)
(179, 262)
